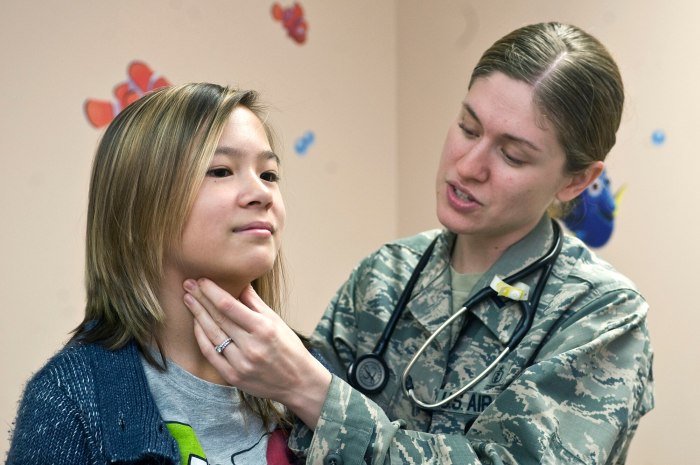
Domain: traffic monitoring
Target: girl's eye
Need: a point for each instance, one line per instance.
(219, 172)
(467, 131)
(270, 176)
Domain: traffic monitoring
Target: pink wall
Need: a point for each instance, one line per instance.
(377, 83)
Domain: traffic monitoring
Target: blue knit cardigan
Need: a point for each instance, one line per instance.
(89, 405)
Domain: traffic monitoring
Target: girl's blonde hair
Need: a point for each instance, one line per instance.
(146, 174)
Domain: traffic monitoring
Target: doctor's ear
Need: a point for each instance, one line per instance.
(578, 182)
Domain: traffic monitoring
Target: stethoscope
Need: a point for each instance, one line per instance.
(369, 372)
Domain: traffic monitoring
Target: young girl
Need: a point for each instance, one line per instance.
(184, 185)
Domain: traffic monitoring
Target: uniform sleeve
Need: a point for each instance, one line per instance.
(48, 428)
(579, 403)
(354, 430)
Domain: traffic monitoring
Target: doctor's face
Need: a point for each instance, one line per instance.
(501, 164)
(233, 232)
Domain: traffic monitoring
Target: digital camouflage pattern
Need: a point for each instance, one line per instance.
(572, 392)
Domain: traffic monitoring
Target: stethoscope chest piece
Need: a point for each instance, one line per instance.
(369, 373)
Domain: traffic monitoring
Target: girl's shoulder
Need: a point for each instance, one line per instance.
(77, 366)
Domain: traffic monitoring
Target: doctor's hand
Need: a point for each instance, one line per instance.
(265, 357)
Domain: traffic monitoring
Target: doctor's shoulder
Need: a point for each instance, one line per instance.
(600, 322)
(411, 248)
(585, 265)
(588, 287)
(385, 271)
(395, 260)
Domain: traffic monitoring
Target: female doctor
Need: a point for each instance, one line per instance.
(540, 115)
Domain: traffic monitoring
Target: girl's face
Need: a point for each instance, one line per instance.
(501, 165)
(233, 232)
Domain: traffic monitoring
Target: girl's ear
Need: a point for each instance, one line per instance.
(579, 181)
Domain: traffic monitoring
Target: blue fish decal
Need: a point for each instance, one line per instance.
(593, 217)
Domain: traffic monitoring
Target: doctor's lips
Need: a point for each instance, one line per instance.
(255, 226)
(463, 195)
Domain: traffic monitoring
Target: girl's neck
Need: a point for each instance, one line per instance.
(176, 335)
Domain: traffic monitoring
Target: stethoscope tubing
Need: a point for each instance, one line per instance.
(528, 308)
(376, 371)
(402, 302)
(407, 383)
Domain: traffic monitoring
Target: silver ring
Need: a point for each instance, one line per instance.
(220, 348)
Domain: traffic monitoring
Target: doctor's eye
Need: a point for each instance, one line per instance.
(470, 133)
(270, 176)
(219, 172)
(512, 160)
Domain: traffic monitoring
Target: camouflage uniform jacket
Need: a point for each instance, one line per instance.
(573, 391)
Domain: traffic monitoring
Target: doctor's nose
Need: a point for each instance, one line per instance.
(474, 162)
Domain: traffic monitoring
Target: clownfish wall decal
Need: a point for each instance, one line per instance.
(292, 18)
(593, 217)
(141, 79)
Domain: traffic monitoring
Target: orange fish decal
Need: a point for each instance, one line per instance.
(292, 18)
(141, 79)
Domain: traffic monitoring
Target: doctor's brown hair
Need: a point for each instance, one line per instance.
(577, 85)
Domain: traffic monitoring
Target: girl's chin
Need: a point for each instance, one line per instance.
(233, 283)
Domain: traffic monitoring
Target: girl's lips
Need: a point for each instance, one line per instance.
(257, 226)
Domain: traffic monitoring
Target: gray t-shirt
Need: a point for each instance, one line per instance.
(209, 421)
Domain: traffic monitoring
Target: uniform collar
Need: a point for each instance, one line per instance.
(431, 302)
(502, 317)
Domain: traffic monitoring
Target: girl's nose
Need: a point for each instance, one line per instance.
(255, 192)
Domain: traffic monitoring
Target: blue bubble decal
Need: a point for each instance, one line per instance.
(302, 144)
(658, 137)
